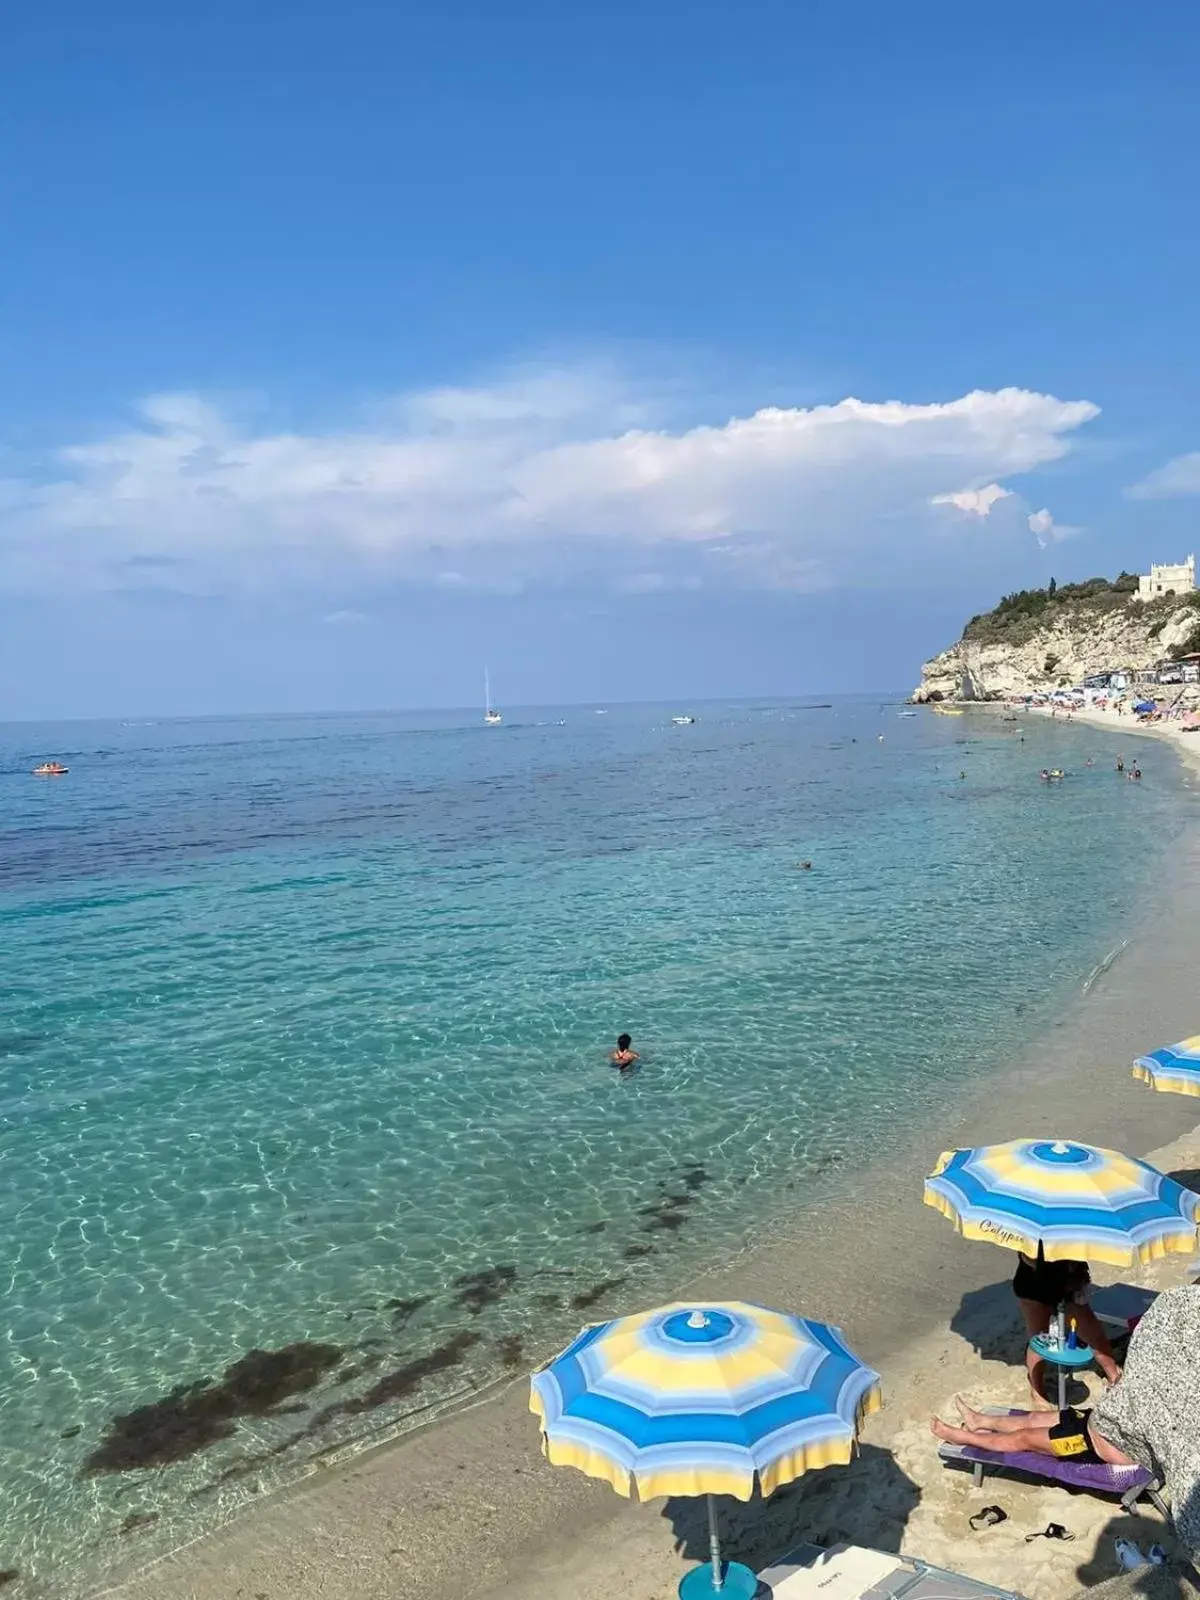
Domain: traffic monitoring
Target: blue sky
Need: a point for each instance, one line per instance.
(643, 350)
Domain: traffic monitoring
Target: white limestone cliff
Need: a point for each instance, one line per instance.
(1065, 646)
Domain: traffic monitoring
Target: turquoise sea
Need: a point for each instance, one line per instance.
(303, 1035)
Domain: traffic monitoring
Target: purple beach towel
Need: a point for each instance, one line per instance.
(1099, 1477)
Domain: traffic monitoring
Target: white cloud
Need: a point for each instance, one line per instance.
(1180, 476)
(979, 504)
(976, 502)
(545, 476)
(1046, 531)
(345, 619)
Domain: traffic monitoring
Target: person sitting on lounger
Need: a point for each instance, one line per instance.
(1066, 1435)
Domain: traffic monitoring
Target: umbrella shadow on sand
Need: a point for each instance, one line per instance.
(989, 1321)
(1187, 1178)
(823, 1507)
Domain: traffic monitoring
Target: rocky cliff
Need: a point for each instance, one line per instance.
(1044, 639)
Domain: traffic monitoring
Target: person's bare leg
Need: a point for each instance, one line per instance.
(1013, 1443)
(986, 1422)
(1037, 1319)
(1107, 1452)
(1091, 1331)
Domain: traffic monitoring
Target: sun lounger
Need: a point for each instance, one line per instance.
(852, 1572)
(1126, 1484)
(1119, 1304)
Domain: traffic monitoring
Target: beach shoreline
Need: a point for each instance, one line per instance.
(468, 1508)
(1186, 745)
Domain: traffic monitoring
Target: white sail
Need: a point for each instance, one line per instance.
(490, 715)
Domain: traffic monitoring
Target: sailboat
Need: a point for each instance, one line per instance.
(491, 716)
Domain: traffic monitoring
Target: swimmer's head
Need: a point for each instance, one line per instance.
(623, 1041)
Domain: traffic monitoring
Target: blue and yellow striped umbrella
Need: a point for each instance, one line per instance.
(691, 1399)
(1175, 1068)
(1078, 1202)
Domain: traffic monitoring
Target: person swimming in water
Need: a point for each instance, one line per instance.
(1120, 763)
(624, 1055)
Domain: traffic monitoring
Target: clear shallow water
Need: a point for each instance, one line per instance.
(303, 1034)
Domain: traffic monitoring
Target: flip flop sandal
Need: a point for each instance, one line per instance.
(989, 1517)
(1052, 1530)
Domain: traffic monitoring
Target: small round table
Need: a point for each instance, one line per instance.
(1064, 1358)
(738, 1583)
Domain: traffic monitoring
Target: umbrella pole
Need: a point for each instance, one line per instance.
(714, 1544)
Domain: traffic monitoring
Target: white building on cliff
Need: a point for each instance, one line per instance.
(1178, 579)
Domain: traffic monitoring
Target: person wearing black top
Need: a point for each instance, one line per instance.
(1041, 1287)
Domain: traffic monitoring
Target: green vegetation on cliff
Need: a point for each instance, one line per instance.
(1020, 617)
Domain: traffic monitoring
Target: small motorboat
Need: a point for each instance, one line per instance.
(683, 722)
(51, 769)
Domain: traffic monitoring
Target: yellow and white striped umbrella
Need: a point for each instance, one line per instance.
(701, 1399)
(1077, 1202)
(1175, 1069)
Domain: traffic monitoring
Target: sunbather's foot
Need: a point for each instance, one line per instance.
(976, 1421)
(943, 1431)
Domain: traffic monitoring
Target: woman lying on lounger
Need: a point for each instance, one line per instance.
(1069, 1435)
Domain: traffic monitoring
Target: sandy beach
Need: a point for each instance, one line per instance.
(468, 1508)
(1187, 745)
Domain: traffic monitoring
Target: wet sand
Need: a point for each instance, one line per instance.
(468, 1509)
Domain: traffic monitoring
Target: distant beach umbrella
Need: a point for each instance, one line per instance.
(694, 1399)
(1175, 1069)
(1075, 1201)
